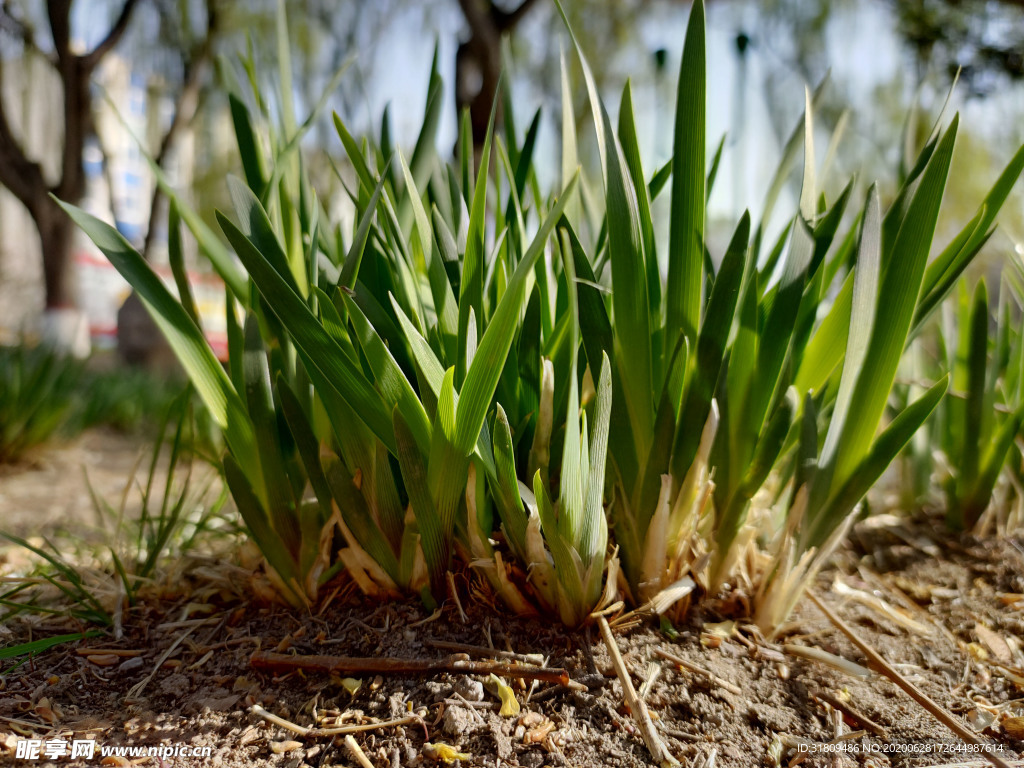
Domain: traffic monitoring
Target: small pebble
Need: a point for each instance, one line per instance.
(437, 688)
(470, 689)
(458, 721)
(130, 665)
(281, 747)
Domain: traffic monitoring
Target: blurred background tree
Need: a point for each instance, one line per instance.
(184, 47)
(882, 55)
(24, 175)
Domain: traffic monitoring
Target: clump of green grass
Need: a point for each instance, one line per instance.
(728, 373)
(123, 398)
(94, 580)
(478, 369)
(37, 397)
(46, 395)
(969, 451)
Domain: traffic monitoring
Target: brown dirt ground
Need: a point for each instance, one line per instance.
(48, 489)
(957, 636)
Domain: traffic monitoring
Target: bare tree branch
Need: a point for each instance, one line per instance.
(506, 20)
(480, 57)
(108, 177)
(90, 60)
(22, 30)
(58, 12)
(184, 110)
(22, 176)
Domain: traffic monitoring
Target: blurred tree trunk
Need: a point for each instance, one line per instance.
(56, 236)
(23, 176)
(478, 59)
(194, 65)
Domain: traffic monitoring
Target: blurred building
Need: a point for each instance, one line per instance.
(31, 93)
(128, 107)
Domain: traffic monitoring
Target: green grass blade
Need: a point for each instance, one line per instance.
(630, 308)
(38, 646)
(269, 480)
(785, 165)
(884, 449)
(445, 307)
(808, 189)
(776, 335)
(389, 378)
(426, 361)
(350, 269)
(471, 289)
(184, 337)
(436, 549)
(307, 333)
(208, 242)
(425, 149)
(899, 292)
(593, 536)
(176, 259)
(631, 153)
(862, 318)
(283, 159)
(248, 145)
(711, 346)
(994, 459)
(255, 225)
(482, 377)
(505, 487)
(306, 443)
(977, 356)
(716, 159)
(686, 236)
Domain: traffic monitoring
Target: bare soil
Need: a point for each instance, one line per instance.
(48, 490)
(951, 619)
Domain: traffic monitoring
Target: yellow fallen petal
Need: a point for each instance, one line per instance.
(444, 753)
(723, 629)
(509, 703)
(978, 651)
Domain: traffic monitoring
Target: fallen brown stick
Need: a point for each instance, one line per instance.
(283, 662)
(854, 714)
(882, 666)
(485, 652)
(699, 671)
(107, 652)
(357, 752)
(302, 730)
(637, 706)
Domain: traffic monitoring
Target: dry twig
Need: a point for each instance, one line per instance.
(455, 596)
(357, 753)
(107, 652)
(483, 651)
(282, 662)
(880, 664)
(302, 730)
(637, 706)
(699, 671)
(854, 714)
(137, 689)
